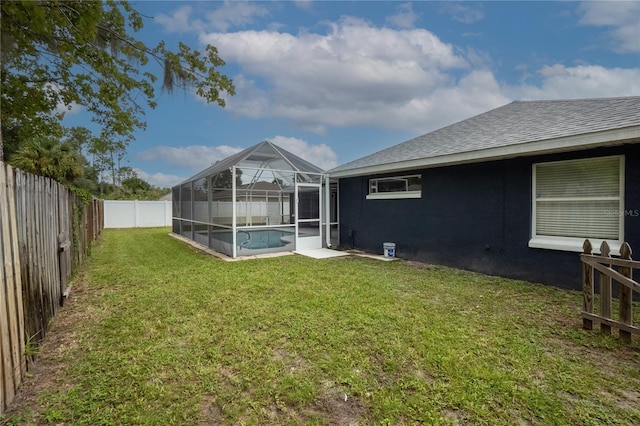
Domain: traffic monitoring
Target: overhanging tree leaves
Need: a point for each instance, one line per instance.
(59, 53)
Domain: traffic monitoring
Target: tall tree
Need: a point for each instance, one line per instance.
(55, 54)
(79, 138)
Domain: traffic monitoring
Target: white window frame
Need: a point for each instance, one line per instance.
(574, 244)
(396, 194)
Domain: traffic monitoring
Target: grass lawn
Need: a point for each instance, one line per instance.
(157, 333)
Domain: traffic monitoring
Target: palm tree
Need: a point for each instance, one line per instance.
(48, 157)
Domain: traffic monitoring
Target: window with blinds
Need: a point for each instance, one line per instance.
(578, 198)
(395, 187)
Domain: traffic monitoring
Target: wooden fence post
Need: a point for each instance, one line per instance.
(90, 220)
(587, 287)
(626, 314)
(605, 291)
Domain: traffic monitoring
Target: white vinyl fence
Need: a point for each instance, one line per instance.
(136, 214)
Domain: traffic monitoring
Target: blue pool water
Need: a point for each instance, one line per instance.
(262, 239)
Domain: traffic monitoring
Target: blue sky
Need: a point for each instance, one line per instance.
(332, 81)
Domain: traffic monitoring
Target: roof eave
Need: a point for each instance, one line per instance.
(548, 146)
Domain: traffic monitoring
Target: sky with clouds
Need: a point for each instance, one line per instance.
(332, 81)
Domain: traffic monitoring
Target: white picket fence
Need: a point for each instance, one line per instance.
(136, 214)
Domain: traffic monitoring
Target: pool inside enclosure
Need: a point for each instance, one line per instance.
(261, 200)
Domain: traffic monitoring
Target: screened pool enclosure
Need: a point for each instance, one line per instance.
(261, 200)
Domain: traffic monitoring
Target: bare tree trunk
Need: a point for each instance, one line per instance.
(113, 169)
(1, 146)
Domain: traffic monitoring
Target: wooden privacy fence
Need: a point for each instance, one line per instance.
(46, 233)
(12, 344)
(610, 270)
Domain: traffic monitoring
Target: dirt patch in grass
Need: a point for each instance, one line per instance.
(629, 399)
(55, 353)
(292, 362)
(521, 420)
(424, 375)
(454, 416)
(230, 377)
(418, 265)
(601, 359)
(337, 408)
(210, 413)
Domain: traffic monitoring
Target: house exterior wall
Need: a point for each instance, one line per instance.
(476, 217)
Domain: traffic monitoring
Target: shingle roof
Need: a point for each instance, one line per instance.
(515, 124)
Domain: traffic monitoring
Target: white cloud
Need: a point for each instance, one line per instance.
(350, 42)
(179, 21)
(321, 155)
(357, 74)
(353, 75)
(249, 100)
(404, 18)
(462, 13)
(194, 157)
(56, 92)
(584, 81)
(160, 180)
(304, 4)
(234, 14)
(622, 16)
(198, 157)
(70, 109)
(229, 14)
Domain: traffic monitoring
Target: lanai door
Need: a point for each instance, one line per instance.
(308, 208)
